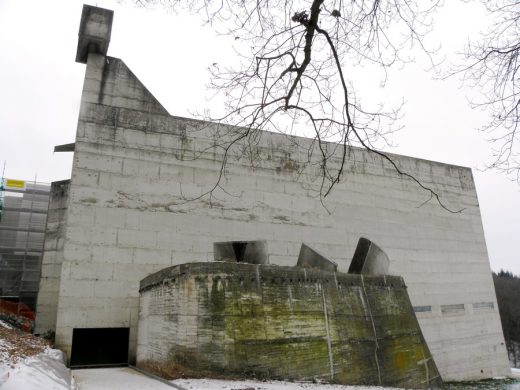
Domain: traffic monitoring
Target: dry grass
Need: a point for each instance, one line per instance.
(171, 371)
(17, 345)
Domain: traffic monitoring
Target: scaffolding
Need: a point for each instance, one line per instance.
(23, 210)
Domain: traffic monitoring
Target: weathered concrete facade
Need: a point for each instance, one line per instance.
(283, 323)
(129, 214)
(52, 257)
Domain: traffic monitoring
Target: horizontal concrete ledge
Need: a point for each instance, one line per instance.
(258, 273)
(65, 147)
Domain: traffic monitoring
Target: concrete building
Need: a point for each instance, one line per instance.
(23, 210)
(134, 205)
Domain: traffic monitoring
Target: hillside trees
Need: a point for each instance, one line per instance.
(507, 288)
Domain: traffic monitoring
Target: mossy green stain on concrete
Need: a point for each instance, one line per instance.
(288, 323)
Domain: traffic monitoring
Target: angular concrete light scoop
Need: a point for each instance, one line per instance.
(310, 258)
(252, 252)
(369, 259)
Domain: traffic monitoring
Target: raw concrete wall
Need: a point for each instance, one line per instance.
(283, 323)
(136, 168)
(48, 294)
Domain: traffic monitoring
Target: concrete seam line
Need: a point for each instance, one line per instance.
(156, 377)
(329, 346)
(373, 327)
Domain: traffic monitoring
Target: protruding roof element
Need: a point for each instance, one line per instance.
(65, 147)
(252, 252)
(369, 259)
(310, 258)
(94, 32)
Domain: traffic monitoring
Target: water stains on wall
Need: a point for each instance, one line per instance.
(283, 323)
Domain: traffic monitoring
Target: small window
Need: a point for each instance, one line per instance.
(483, 306)
(457, 308)
(422, 309)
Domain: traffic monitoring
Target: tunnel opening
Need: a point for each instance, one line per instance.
(93, 347)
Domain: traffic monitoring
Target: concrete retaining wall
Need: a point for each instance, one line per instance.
(283, 323)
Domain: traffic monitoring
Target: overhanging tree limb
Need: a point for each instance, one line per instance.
(294, 74)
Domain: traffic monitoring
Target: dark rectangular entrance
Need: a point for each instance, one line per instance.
(99, 347)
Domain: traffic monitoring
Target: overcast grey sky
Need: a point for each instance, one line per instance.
(40, 90)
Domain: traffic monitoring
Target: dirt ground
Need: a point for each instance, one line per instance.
(16, 345)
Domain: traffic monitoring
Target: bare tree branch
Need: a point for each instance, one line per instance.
(492, 64)
(299, 52)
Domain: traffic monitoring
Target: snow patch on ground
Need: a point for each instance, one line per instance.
(218, 384)
(126, 378)
(26, 362)
(46, 370)
(121, 378)
(5, 325)
(515, 372)
(4, 354)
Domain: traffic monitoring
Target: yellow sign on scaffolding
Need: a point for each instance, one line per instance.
(14, 184)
